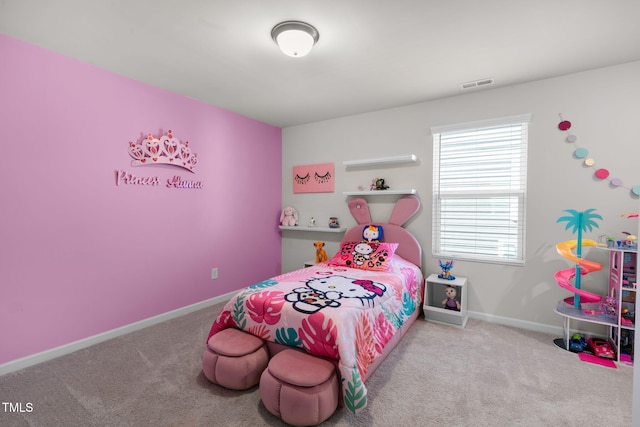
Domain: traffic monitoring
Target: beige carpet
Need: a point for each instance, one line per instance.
(483, 375)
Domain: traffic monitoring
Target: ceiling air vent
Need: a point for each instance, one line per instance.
(476, 83)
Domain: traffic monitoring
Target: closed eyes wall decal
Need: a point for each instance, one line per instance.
(322, 182)
(302, 179)
(322, 178)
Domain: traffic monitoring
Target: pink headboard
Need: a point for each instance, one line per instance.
(405, 208)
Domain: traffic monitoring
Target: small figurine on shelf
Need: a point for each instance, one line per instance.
(450, 302)
(446, 270)
(312, 222)
(321, 254)
(333, 222)
(631, 241)
(289, 216)
(378, 184)
(609, 306)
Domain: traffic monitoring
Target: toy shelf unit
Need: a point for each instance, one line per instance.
(617, 310)
(436, 298)
(622, 290)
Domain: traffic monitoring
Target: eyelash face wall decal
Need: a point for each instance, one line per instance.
(322, 178)
(316, 178)
(302, 179)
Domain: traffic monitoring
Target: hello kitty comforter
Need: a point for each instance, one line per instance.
(335, 312)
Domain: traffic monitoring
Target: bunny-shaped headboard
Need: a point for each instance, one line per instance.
(405, 208)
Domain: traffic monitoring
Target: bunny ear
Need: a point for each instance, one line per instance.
(404, 210)
(360, 210)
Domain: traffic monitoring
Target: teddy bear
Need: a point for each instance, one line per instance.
(289, 216)
(321, 254)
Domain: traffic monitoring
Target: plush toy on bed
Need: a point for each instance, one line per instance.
(321, 254)
(289, 216)
(372, 233)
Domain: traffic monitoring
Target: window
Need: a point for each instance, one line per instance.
(479, 190)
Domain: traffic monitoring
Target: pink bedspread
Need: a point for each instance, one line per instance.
(335, 312)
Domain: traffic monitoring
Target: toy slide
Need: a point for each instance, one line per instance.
(563, 277)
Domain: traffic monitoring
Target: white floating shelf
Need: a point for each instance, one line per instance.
(383, 161)
(379, 192)
(306, 228)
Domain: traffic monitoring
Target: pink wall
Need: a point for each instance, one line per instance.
(80, 255)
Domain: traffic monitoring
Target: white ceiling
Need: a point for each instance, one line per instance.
(372, 54)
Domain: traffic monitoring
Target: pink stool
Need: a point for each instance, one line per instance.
(235, 359)
(300, 389)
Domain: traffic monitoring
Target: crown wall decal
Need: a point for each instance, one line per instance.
(164, 150)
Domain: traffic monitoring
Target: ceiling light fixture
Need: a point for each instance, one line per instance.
(295, 38)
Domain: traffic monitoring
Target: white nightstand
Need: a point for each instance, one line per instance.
(435, 294)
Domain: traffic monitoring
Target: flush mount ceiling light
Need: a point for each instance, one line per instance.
(295, 38)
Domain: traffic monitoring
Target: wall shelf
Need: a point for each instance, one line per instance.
(382, 161)
(379, 192)
(318, 229)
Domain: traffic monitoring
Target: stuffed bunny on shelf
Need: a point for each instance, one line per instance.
(289, 217)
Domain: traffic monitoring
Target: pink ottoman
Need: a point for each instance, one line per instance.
(235, 359)
(300, 389)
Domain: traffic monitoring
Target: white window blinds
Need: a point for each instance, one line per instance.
(479, 190)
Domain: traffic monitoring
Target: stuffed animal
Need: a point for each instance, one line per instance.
(372, 233)
(446, 270)
(450, 302)
(321, 254)
(289, 216)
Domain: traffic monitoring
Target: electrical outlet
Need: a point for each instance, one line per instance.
(214, 273)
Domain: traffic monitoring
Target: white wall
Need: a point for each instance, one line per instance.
(603, 106)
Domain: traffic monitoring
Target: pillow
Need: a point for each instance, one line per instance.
(365, 255)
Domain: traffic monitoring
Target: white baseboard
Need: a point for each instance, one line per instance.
(515, 323)
(25, 362)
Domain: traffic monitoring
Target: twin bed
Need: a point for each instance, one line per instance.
(351, 310)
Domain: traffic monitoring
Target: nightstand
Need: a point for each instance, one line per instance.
(436, 293)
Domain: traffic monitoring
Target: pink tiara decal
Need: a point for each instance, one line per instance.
(166, 150)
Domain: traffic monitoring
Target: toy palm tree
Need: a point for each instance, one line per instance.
(579, 221)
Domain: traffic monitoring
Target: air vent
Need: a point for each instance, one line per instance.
(476, 83)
